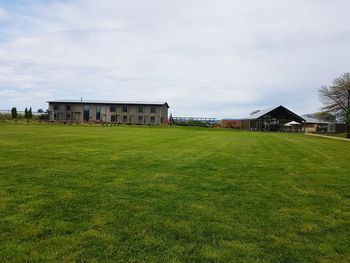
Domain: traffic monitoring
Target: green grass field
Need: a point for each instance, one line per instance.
(171, 194)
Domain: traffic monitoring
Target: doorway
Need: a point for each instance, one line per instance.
(86, 113)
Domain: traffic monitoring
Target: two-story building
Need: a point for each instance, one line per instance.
(108, 111)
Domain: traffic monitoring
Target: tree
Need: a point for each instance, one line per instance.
(14, 113)
(336, 99)
(325, 116)
(30, 114)
(26, 113)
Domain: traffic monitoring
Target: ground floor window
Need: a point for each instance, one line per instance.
(98, 113)
(86, 115)
(68, 116)
(113, 118)
(153, 119)
(56, 116)
(125, 118)
(140, 118)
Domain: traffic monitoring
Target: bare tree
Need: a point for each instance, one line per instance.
(336, 99)
(325, 116)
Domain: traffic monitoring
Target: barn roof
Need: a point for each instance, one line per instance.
(259, 114)
(313, 120)
(109, 102)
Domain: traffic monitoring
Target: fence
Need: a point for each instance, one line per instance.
(193, 121)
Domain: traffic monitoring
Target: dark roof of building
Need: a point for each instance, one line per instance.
(109, 102)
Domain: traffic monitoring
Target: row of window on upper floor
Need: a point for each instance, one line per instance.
(112, 108)
(140, 109)
(113, 117)
(56, 107)
(125, 118)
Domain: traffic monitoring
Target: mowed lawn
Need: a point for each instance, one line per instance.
(171, 194)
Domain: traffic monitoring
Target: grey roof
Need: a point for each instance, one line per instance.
(313, 120)
(260, 113)
(109, 102)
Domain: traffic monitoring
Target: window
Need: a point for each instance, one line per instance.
(140, 109)
(125, 108)
(98, 113)
(125, 118)
(56, 116)
(68, 116)
(112, 108)
(86, 114)
(153, 119)
(153, 109)
(113, 118)
(55, 107)
(140, 118)
(67, 107)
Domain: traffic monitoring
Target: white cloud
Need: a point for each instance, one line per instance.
(2, 13)
(205, 58)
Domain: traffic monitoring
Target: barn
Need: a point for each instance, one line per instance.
(102, 111)
(272, 119)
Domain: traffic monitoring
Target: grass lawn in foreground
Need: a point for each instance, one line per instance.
(171, 194)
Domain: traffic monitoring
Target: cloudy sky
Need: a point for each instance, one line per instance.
(206, 58)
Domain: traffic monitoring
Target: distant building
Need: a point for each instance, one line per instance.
(193, 121)
(108, 111)
(272, 119)
(8, 112)
(313, 124)
(230, 123)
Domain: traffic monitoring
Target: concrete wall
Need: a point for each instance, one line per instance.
(310, 127)
(164, 114)
(319, 127)
(59, 112)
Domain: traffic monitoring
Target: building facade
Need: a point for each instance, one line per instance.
(108, 112)
(316, 125)
(230, 123)
(272, 119)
